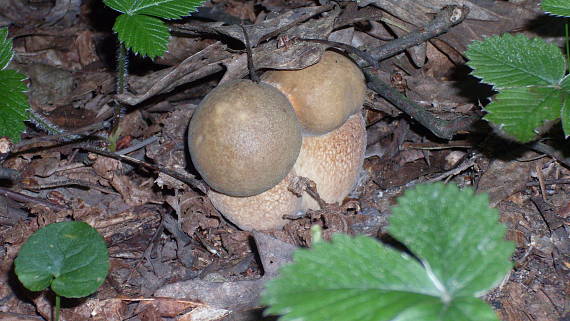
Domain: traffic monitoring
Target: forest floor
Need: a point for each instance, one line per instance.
(171, 251)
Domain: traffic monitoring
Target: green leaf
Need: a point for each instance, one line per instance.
(70, 256)
(13, 100)
(147, 36)
(520, 111)
(6, 53)
(516, 61)
(455, 234)
(167, 9)
(556, 7)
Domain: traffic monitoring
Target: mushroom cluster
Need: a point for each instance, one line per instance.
(250, 140)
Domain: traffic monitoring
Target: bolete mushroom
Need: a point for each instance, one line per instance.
(244, 138)
(325, 94)
(332, 151)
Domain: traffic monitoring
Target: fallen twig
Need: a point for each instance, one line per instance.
(183, 177)
(448, 17)
(19, 197)
(441, 128)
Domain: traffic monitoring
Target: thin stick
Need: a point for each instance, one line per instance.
(80, 133)
(542, 186)
(252, 74)
(69, 182)
(29, 199)
(183, 177)
(550, 151)
(443, 21)
(441, 128)
(467, 163)
(138, 146)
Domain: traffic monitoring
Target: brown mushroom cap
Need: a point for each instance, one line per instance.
(333, 161)
(259, 212)
(244, 138)
(324, 95)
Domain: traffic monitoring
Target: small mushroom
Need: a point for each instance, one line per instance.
(325, 94)
(244, 138)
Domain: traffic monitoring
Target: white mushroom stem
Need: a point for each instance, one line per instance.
(333, 161)
(260, 212)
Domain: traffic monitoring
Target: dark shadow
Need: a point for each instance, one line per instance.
(18, 288)
(393, 243)
(547, 26)
(101, 18)
(470, 86)
(250, 315)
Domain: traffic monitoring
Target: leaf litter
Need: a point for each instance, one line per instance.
(167, 240)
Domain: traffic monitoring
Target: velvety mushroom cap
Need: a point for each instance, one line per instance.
(324, 95)
(244, 138)
(333, 161)
(260, 212)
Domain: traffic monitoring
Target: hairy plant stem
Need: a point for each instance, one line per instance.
(43, 123)
(122, 75)
(122, 72)
(57, 306)
(567, 36)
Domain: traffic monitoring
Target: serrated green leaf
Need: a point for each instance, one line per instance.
(361, 279)
(13, 100)
(513, 61)
(520, 111)
(13, 104)
(556, 7)
(70, 256)
(6, 53)
(457, 236)
(167, 9)
(144, 35)
(344, 278)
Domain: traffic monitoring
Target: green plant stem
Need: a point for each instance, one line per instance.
(57, 306)
(122, 74)
(43, 123)
(567, 45)
(121, 69)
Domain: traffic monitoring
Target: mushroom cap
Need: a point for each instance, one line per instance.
(325, 94)
(333, 161)
(244, 138)
(260, 212)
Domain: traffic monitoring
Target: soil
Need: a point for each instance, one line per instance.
(173, 255)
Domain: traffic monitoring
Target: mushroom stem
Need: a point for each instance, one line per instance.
(333, 161)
